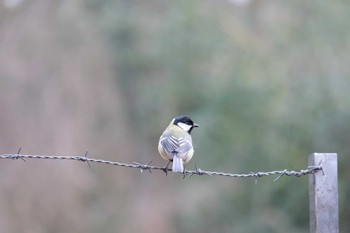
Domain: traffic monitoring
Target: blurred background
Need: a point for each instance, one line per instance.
(267, 81)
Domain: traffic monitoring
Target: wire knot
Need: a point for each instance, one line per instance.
(17, 156)
(198, 171)
(144, 167)
(84, 159)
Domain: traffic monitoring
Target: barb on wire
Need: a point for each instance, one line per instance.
(84, 159)
(144, 166)
(149, 167)
(18, 156)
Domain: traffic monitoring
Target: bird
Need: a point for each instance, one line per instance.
(175, 144)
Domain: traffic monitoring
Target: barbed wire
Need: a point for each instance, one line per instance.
(149, 167)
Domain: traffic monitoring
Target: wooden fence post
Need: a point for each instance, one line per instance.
(323, 194)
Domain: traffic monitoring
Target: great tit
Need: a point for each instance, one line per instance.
(175, 144)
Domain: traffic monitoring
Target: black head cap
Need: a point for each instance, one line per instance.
(186, 120)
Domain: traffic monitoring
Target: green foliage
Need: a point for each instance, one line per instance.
(266, 82)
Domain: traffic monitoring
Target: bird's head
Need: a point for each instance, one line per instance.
(184, 123)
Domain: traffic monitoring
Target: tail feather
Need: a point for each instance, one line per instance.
(178, 165)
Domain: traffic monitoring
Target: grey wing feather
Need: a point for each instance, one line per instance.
(175, 146)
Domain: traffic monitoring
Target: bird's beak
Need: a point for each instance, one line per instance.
(195, 125)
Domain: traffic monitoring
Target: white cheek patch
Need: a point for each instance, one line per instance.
(184, 126)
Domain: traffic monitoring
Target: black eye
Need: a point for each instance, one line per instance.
(189, 122)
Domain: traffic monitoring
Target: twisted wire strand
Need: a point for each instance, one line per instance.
(148, 167)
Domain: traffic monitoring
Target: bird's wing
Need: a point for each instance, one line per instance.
(176, 146)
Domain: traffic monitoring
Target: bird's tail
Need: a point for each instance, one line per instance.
(178, 165)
